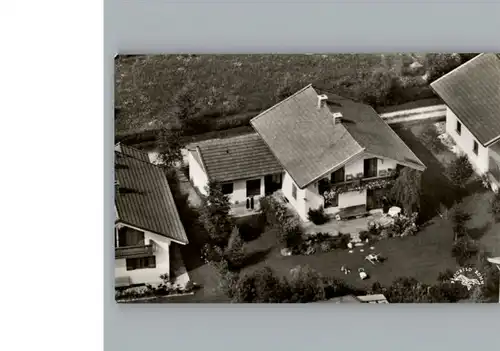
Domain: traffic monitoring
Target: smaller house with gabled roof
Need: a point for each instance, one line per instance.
(244, 166)
(147, 224)
(471, 93)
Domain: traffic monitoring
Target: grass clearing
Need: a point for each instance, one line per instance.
(240, 86)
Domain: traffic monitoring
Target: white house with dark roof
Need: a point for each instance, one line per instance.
(336, 153)
(243, 165)
(471, 93)
(147, 224)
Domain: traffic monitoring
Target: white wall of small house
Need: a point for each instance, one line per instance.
(239, 195)
(148, 275)
(465, 142)
(309, 198)
(197, 176)
(298, 202)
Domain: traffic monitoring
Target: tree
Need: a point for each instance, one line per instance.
(377, 88)
(459, 219)
(215, 215)
(261, 286)
(407, 189)
(185, 108)
(459, 171)
(439, 64)
(495, 206)
(235, 252)
(306, 285)
(169, 147)
(407, 290)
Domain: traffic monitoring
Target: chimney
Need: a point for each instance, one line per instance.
(322, 101)
(337, 117)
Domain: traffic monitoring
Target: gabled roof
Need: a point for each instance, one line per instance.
(144, 199)
(240, 157)
(472, 92)
(309, 144)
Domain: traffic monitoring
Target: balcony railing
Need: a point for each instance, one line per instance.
(329, 190)
(134, 251)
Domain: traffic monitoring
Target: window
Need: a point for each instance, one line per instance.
(141, 263)
(227, 188)
(294, 191)
(130, 237)
(338, 176)
(459, 128)
(475, 148)
(253, 187)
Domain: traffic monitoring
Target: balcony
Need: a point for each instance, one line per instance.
(134, 251)
(358, 182)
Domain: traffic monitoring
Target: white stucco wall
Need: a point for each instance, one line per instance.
(196, 174)
(465, 142)
(148, 275)
(310, 197)
(239, 195)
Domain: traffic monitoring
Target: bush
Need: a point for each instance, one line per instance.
(341, 241)
(260, 286)
(211, 253)
(463, 250)
(403, 226)
(251, 230)
(227, 279)
(363, 235)
(290, 234)
(430, 138)
(318, 216)
(459, 171)
(445, 276)
(235, 253)
(495, 206)
(305, 285)
(459, 218)
(273, 212)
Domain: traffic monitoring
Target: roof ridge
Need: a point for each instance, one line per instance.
(282, 101)
(135, 158)
(459, 67)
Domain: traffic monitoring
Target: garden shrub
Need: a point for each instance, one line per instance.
(495, 206)
(445, 276)
(363, 235)
(259, 286)
(459, 218)
(305, 285)
(227, 279)
(317, 216)
(403, 226)
(430, 138)
(459, 171)
(253, 228)
(235, 253)
(337, 287)
(341, 241)
(464, 249)
(211, 253)
(273, 212)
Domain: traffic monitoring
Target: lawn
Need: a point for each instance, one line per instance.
(234, 88)
(423, 256)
